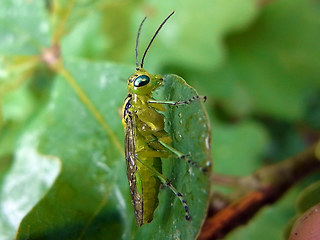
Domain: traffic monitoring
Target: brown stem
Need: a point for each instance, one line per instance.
(266, 185)
(223, 180)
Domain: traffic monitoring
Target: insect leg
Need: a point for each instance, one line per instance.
(175, 103)
(167, 183)
(182, 156)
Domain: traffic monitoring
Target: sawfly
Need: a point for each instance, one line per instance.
(146, 140)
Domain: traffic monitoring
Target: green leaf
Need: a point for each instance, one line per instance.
(30, 176)
(85, 199)
(21, 94)
(274, 63)
(309, 197)
(238, 147)
(90, 197)
(80, 43)
(16, 107)
(191, 42)
(24, 27)
(188, 126)
(185, 41)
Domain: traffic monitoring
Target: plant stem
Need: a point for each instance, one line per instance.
(265, 186)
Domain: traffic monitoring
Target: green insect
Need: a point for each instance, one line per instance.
(146, 140)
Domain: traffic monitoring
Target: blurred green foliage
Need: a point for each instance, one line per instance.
(256, 61)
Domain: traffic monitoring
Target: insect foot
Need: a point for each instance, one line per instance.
(184, 202)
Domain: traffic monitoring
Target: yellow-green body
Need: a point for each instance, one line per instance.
(144, 128)
(146, 140)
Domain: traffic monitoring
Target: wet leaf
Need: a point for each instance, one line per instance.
(27, 181)
(188, 126)
(90, 197)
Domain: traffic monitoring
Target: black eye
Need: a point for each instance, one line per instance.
(141, 81)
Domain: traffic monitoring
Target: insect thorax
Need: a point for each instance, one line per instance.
(148, 120)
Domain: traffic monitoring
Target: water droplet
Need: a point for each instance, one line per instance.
(178, 136)
(180, 121)
(190, 170)
(208, 164)
(179, 114)
(207, 140)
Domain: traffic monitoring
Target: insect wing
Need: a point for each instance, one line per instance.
(132, 170)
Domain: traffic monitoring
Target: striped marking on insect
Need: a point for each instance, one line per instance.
(146, 140)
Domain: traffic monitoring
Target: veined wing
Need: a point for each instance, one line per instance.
(132, 169)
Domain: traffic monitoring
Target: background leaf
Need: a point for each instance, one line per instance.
(273, 63)
(309, 197)
(24, 27)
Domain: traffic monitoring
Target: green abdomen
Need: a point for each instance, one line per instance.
(149, 185)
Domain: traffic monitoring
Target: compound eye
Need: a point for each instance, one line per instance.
(141, 81)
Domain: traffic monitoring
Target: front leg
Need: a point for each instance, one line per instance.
(175, 103)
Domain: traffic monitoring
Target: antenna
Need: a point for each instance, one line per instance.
(154, 36)
(137, 43)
